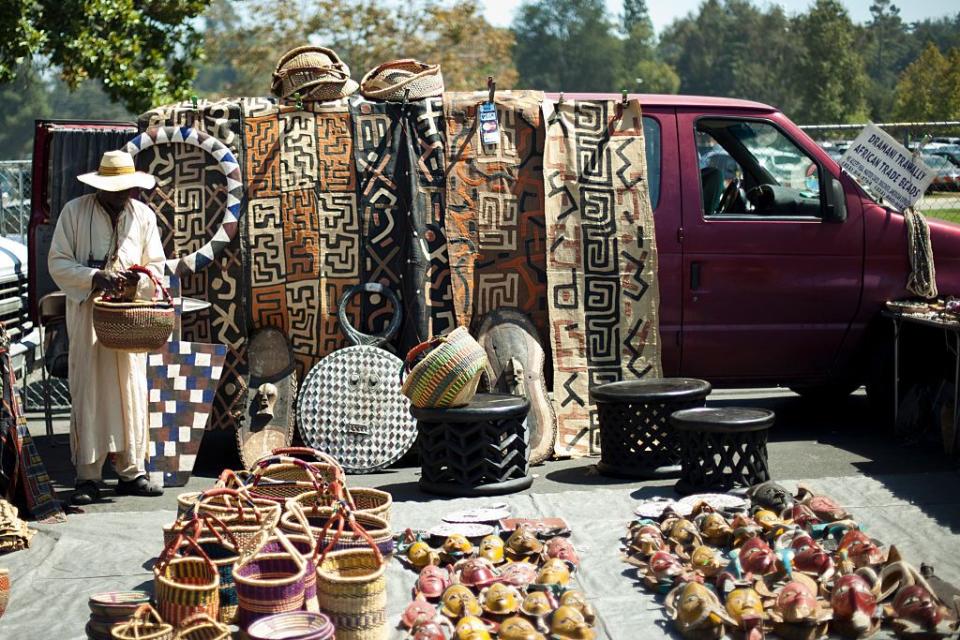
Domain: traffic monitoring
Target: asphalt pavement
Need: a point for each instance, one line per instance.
(809, 440)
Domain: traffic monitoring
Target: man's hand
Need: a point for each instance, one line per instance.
(107, 281)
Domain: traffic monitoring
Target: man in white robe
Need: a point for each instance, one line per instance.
(98, 238)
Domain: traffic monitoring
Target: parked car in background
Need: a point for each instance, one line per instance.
(14, 309)
(948, 174)
(950, 152)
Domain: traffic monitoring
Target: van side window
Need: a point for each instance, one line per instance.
(651, 138)
(752, 168)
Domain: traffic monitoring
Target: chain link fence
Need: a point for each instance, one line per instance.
(939, 147)
(15, 189)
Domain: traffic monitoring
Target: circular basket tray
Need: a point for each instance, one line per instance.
(486, 513)
(350, 406)
(467, 529)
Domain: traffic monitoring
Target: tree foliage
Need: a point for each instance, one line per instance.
(143, 52)
(929, 88)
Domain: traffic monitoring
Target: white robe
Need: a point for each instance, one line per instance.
(108, 388)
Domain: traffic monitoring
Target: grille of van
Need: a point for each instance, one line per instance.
(14, 312)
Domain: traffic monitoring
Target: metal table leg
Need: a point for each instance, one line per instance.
(896, 370)
(956, 389)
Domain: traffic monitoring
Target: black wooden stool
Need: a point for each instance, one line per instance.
(477, 450)
(636, 440)
(722, 448)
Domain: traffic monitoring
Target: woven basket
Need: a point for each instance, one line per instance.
(269, 583)
(365, 500)
(316, 519)
(4, 590)
(184, 586)
(394, 80)
(316, 73)
(448, 375)
(135, 327)
(144, 625)
(249, 518)
(215, 539)
(306, 546)
(202, 627)
(295, 625)
(352, 590)
(280, 478)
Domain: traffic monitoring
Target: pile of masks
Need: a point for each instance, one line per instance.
(14, 534)
(516, 585)
(797, 566)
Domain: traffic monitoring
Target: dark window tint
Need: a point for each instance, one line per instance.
(651, 137)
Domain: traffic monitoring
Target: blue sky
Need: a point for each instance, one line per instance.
(663, 12)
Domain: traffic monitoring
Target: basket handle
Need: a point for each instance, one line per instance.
(228, 493)
(318, 480)
(198, 621)
(415, 352)
(156, 282)
(174, 547)
(318, 456)
(212, 522)
(144, 614)
(343, 514)
(354, 334)
(230, 477)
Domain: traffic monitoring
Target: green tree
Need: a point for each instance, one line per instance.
(832, 88)
(886, 46)
(642, 68)
(143, 52)
(921, 93)
(566, 45)
(21, 101)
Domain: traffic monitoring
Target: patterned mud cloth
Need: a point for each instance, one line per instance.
(494, 221)
(601, 259)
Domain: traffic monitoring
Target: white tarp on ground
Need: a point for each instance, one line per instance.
(114, 551)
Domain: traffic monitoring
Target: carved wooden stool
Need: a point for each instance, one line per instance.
(636, 440)
(476, 450)
(721, 448)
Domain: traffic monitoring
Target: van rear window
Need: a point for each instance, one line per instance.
(651, 137)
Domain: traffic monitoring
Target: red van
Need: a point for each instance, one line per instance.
(774, 264)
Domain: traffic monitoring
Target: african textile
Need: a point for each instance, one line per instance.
(182, 380)
(190, 200)
(14, 533)
(23, 476)
(303, 230)
(601, 262)
(494, 217)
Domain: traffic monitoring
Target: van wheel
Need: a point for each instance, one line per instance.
(880, 389)
(826, 392)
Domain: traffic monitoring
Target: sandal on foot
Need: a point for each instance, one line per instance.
(86, 492)
(139, 486)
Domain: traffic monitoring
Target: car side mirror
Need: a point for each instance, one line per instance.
(835, 207)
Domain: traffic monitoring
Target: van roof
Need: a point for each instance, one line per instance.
(670, 100)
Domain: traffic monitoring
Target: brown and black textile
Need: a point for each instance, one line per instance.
(601, 262)
(494, 218)
(189, 201)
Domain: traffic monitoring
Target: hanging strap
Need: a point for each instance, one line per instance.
(922, 280)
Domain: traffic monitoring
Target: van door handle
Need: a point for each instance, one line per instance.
(694, 276)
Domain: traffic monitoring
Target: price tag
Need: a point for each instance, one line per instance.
(489, 129)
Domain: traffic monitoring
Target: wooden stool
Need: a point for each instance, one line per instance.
(636, 440)
(476, 450)
(722, 448)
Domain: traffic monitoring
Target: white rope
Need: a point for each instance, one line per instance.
(923, 275)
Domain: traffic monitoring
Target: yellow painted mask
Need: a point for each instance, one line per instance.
(707, 561)
(523, 541)
(472, 628)
(457, 545)
(500, 599)
(554, 571)
(578, 601)
(420, 554)
(744, 602)
(458, 601)
(491, 548)
(537, 604)
(568, 623)
(517, 628)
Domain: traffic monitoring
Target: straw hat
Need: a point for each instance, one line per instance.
(391, 79)
(316, 73)
(117, 173)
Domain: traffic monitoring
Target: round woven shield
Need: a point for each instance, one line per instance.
(351, 407)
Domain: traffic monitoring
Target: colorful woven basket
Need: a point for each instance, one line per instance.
(316, 521)
(295, 625)
(249, 519)
(352, 590)
(280, 478)
(269, 583)
(394, 80)
(307, 547)
(4, 590)
(135, 327)
(117, 605)
(184, 586)
(364, 500)
(202, 627)
(145, 624)
(449, 373)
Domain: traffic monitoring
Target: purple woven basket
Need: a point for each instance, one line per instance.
(269, 583)
(305, 546)
(296, 625)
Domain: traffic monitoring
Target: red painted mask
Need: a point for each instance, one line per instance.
(860, 548)
(477, 573)
(430, 631)
(826, 508)
(665, 566)
(810, 557)
(562, 548)
(796, 602)
(757, 557)
(418, 613)
(647, 540)
(518, 574)
(432, 581)
(853, 600)
(914, 603)
(801, 515)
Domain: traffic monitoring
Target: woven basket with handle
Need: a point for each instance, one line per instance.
(202, 627)
(398, 79)
(316, 521)
(140, 326)
(184, 586)
(316, 73)
(448, 374)
(269, 583)
(145, 624)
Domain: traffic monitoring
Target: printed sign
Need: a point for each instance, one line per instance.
(886, 168)
(489, 129)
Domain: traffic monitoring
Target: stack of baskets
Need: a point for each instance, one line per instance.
(275, 548)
